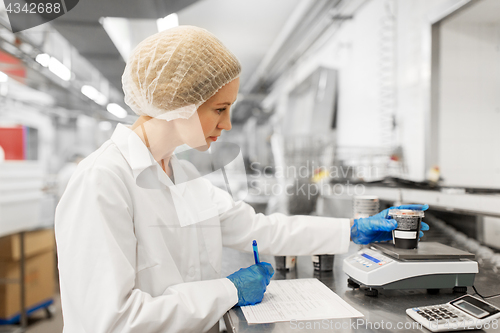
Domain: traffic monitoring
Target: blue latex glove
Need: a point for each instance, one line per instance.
(251, 282)
(378, 228)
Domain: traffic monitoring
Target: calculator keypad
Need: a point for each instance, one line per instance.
(441, 313)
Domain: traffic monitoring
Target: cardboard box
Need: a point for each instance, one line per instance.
(39, 281)
(35, 242)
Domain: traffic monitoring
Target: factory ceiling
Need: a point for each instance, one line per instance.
(247, 27)
(267, 36)
(81, 28)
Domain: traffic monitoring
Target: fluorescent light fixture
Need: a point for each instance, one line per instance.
(105, 125)
(43, 59)
(94, 95)
(118, 29)
(56, 67)
(26, 48)
(116, 110)
(6, 34)
(167, 22)
(3, 77)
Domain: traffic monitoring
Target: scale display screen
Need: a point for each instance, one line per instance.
(375, 260)
(475, 307)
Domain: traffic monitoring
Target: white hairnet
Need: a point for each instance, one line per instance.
(170, 74)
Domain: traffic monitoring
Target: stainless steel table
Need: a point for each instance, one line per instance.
(385, 313)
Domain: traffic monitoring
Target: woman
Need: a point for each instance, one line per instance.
(140, 234)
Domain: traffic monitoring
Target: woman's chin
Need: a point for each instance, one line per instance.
(204, 147)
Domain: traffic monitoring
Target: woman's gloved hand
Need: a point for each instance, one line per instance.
(378, 228)
(251, 282)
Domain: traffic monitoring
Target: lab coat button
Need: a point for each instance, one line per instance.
(191, 271)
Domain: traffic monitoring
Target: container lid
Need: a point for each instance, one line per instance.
(406, 212)
(366, 197)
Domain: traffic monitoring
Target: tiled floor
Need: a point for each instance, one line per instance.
(39, 323)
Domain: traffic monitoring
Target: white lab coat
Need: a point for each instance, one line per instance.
(127, 266)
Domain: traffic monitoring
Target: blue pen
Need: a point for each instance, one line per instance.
(255, 252)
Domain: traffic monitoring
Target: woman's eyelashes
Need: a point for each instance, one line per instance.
(219, 111)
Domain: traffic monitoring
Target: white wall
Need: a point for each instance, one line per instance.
(469, 102)
(355, 50)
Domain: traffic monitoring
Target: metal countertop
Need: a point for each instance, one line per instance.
(388, 307)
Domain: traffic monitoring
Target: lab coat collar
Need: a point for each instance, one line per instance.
(147, 172)
(180, 176)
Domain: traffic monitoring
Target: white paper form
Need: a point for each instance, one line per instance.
(302, 299)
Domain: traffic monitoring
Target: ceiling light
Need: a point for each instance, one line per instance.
(167, 22)
(8, 36)
(43, 59)
(117, 110)
(56, 67)
(94, 95)
(118, 30)
(3, 77)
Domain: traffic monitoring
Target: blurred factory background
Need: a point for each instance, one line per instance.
(400, 97)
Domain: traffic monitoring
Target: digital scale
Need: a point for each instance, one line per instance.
(431, 266)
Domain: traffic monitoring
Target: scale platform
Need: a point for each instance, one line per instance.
(431, 266)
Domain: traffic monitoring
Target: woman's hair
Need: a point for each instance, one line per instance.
(171, 73)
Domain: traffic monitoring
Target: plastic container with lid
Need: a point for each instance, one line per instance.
(405, 236)
(365, 206)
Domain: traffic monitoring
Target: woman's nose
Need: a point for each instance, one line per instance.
(225, 123)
